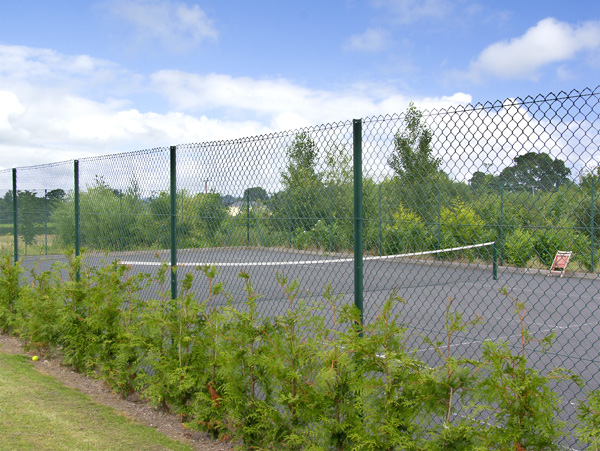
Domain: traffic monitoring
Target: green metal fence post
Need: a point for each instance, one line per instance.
(501, 224)
(331, 220)
(173, 178)
(380, 224)
(358, 217)
(592, 221)
(46, 221)
(290, 224)
(77, 213)
(494, 263)
(248, 217)
(121, 220)
(439, 217)
(15, 215)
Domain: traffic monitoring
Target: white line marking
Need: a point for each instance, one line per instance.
(310, 262)
(505, 337)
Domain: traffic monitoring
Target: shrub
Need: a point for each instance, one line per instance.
(519, 247)
(10, 292)
(406, 233)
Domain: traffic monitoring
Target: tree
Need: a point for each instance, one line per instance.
(534, 172)
(589, 181)
(482, 181)
(417, 170)
(30, 213)
(413, 159)
(303, 203)
(302, 158)
(256, 194)
(211, 213)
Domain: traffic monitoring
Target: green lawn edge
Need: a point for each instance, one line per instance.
(39, 413)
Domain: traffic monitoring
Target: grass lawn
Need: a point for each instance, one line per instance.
(38, 413)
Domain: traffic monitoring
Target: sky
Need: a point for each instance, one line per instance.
(97, 77)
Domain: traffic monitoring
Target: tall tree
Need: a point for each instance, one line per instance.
(303, 203)
(413, 159)
(302, 156)
(482, 181)
(534, 172)
(30, 215)
(417, 170)
(255, 194)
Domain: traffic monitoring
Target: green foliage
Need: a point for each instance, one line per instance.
(291, 360)
(412, 159)
(255, 194)
(40, 310)
(519, 247)
(10, 292)
(534, 172)
(109, 219)
(329, 236)
(247, 391)
(30, 214)
(389, 400)
(587, 216)
(417, 169)
(526, 410)
(461, 225)
(302, 202)
(211, 212)
(407, 233)
(449, 385)
(588, 413)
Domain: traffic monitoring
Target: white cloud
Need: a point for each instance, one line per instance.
(408, 11)
(55, 107)
(277, 101)
(10, 108)
(177, 25)
(549, 41)
(372, 40)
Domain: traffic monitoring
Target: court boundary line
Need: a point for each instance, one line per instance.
(508, 337)
(309, 262)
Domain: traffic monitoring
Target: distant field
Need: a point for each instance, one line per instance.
(6, 229)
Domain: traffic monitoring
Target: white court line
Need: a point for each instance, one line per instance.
(309, 262)
(505, 337)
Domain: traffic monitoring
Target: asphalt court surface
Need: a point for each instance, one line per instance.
(568, 307)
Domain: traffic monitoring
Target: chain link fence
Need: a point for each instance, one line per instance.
(453, 206)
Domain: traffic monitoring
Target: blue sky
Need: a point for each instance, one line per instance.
(95, 77)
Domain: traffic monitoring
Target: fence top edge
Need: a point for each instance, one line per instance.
(41, 166)
(267, 136)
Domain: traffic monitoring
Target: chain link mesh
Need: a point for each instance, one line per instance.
(6, 212)
(519, 179)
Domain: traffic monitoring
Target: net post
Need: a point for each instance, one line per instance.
(173, 189)
(494, 262)
(358, 218)
(15, 215)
